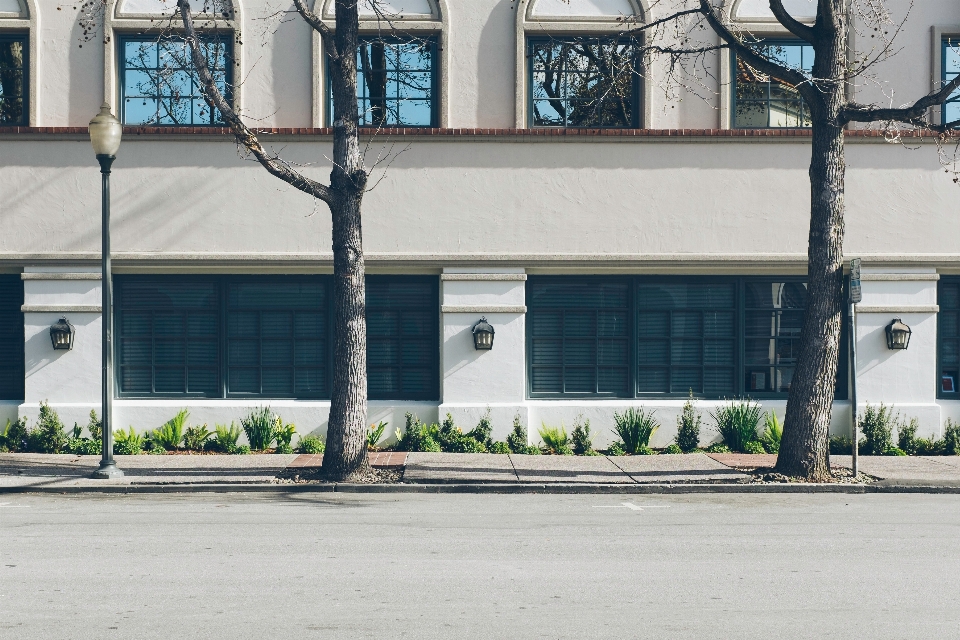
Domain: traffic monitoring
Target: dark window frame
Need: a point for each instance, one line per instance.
(636, 105)
(24, 38)
(739, 365)
(775, 41)
(365, 38)
(947, 42)
(947, 281)
(229, 63)
(14, 315)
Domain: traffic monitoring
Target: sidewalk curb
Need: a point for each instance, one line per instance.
(514, 488)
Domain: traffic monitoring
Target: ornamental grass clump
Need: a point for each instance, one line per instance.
(772, 432)
(259, 427)
(688, 427)
(224, 438)
(169, 435)
(635, 428)
(737, 424)
(555, 439)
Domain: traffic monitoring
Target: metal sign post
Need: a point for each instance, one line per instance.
(856, 295)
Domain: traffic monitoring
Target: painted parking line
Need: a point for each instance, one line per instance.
(631, 506)
(7, 505)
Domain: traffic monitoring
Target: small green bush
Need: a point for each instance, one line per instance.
(754, 447)
(311, 444)
(951, 438)
(635, 428)
(772, 432)
(895, 451)
(452, 439)
(81, 446)
(283, 434)
(48, 435)
(616, 449)
(907, 436)
(737, 423)
(481, 432)
(14, 436)
(876, 424)
(95, 426)
(688, 426)
(195, 438)
(375, 434)
(169, 435)
(580, 440)
(672, 449)
(718, 447)
(127, 443)
(517, 440)
(499, 447)
(259, 427)
(242, 450)
(417, 436)
(555, 439)
(224, 438)
(841, 446)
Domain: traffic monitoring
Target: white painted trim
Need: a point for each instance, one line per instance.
(918, 308)
(61, 308)
(483, 276)
(61, 276)
(907, 277)
(483, 308)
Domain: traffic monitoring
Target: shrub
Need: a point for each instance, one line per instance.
(616, 449)
(672, 449)
(48, 435)
(635, 428)
(375, 434)
(283, 434)
(895, 451)
(772, 432)
(718, 447)
(754, 447)
(224, 438)
(481, 432)
(452, 440)
(876, 424)
(195, 438)
(555, 440)
(169, 435)
(951, 438)
(580, 440)
(84, 446)
(417, 436)
(242, 450)
(907, 439)
(517, 440)
(14, 436)
(311, 444)
(737, 423)
(150, 443)
(499, 447)
(688, 427)
(128, 443)
(95, 426)
(841, 446)
(258, 425)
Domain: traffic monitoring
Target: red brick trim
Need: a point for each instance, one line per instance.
(531, 133)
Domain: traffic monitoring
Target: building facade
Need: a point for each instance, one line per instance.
(631, 238)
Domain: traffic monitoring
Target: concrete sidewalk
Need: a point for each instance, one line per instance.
(467, 472)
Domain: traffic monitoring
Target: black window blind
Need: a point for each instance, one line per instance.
(11, 337)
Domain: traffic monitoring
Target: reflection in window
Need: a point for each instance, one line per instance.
(396, 82)
(761, 101)
(13, 80)
(773, 317)
(951, 67)
(583, 82)
(161, 87)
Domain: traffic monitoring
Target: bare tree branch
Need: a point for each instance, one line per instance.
(914, 114)
(795, 27)
(317, 23)
(244, 135)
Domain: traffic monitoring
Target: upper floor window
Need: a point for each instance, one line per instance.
(583, 81)
(13, 79)
(764, 102)
(396, 82)
(950, 67)
(159, 85)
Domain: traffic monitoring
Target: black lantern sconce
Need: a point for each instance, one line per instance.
(61, 335)
(483, 335)
(898, 335)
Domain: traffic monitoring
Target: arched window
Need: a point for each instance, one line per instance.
(401, 65)
(17, 63)
(575, 65)
(150, 75)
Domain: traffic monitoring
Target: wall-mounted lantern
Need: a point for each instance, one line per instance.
(483, 335)
(61, 335)
(898, 335)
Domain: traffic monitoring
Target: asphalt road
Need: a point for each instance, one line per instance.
(479, 566)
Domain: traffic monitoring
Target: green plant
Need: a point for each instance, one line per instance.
(169, 435)
(14, 436)
(95, 426)
(417, 436)
(127, 443)
(876, 424)
(907, 439)
(242, 450)
(616, 449)
(737, 423)
(718, 447)
(258, 425)
(283, 434)
(499, 447)
(635, 428)
(754, 447)
(481, 432)
(672, 449)
(311, 444)
(580, 440)
(895, 451)
(951, 438)
(224, 438)
(841, 446)
(772, 432)
(195, 438)
(555, 439)
(375, 434)
(517, 440)
(48, 436)
(688, 426)
(78, 445)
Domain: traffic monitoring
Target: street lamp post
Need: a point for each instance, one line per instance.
(105, 132)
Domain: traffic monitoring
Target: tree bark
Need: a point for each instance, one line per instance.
(804, 451)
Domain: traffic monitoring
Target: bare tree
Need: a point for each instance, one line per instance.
(824, 90)
(346, 453)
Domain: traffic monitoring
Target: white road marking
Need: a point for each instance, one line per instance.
(14, 506)
(631, 506)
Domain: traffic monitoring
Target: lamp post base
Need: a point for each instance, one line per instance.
(107, 471)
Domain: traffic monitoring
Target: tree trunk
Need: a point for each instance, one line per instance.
(346, 453)
(804, 451)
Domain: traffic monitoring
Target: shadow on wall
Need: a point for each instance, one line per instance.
(495, 67)
(877, 336)
(85, 58)
(39, 353)
(462, 341)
